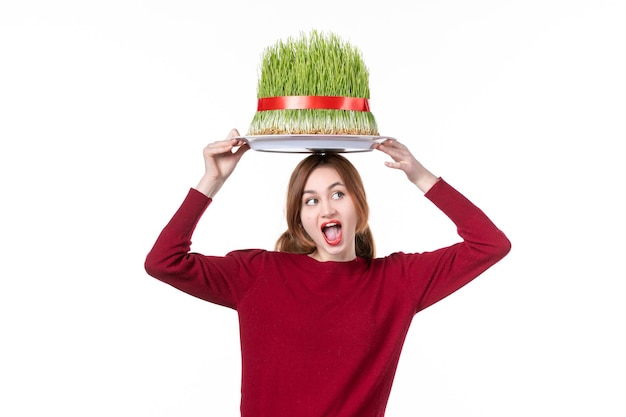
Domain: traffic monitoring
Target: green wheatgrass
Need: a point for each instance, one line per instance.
(314, 64)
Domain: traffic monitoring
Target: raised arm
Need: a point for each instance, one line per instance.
(215, 279)
(439, 273)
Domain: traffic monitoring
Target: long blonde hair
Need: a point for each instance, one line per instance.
(295, 239)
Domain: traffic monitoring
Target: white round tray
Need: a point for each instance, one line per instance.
(313, 143)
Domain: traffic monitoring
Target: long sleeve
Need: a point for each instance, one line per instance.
(445, 270)
(220, 280)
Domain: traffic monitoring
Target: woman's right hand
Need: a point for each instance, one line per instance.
(220, 161)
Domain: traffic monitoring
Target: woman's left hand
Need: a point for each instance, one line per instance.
(404, 160)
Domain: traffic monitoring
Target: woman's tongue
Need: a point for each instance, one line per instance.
(332, 234)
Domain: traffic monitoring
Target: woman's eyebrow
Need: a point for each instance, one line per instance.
(331, 186)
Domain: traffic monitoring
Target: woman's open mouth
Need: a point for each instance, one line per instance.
(332, 232)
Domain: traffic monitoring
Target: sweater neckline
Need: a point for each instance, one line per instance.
(337, 266)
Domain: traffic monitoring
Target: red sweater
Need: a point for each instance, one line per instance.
(324, 338)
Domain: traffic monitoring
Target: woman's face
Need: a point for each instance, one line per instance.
(328, 216)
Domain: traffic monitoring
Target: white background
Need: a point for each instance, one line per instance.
(105, 108)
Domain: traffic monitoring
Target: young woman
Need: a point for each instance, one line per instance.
(322, 320)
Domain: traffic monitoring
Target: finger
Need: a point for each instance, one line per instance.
(220, 147)
(393, 143)
(233, 134)
(381, 147)
(394, 152)
(218, 143)
(243, 148)
(395, 165)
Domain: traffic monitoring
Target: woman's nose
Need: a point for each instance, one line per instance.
(328, 209)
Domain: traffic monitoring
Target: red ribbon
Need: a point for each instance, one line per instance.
(313, 102)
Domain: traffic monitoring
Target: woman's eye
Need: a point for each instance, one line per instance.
(310, 201)
(337, 195)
